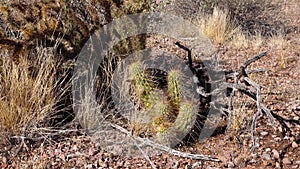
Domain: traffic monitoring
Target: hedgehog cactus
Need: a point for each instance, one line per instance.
(144, 91)
(170, 116)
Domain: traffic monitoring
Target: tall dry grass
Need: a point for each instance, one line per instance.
(27, 92)
(217, 26)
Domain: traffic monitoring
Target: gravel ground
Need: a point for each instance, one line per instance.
(277, 149)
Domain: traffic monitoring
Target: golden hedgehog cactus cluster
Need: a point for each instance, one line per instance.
(167, 113)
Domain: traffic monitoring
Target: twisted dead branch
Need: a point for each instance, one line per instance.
(148, 142)
(243, 84)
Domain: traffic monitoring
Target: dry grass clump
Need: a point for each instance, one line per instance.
(27, 93)
(241, 117)
(218, 27)
(278, 41)
(241, 40)
(280, 45)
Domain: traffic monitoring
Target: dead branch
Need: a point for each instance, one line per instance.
(148, 142)
(190, 61)
(243, 84)
(242, 71)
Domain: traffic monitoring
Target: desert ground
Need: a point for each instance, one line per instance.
(275, 29)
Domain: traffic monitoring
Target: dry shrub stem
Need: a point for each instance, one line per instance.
(246, 86)
(146, 141)
(243, 84)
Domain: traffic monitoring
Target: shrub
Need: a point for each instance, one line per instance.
(27, 93)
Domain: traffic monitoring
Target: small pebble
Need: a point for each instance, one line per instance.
(268, 149)
(89, 166)
(254, 155)
(234, 154)
(277, 165)
(292, 138)
(277, 139)
(286, 161)
(252, 161)
(197, 164)
(266, 156)
(296, 118)
(266, 163)
(212, 167)
(4, 160)
(230, 165)
(294, 144)
(275, 154)
(264, 133)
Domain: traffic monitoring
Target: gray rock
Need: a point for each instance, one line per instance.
(230, 165)
(286, 161)
(275, 154)
(268, 149)
(209, 167)
(266, 156)
(252, 161)
(264, 133)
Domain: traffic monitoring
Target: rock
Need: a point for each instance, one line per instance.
(234, 154)
(297, 162)
(268, 150)
(188, 166)
(296, 118)
(275, 154)
(252, 161)
(230, 165)
(266, 163)
(277, 139)
(89, 166)
(197, 164)
(286, 161)
(254, 155)
(264, 133)
(209, 167)
(277, 165)
(294, 144)
(4, 160)
(266, 156)
(292, 138)
(280, 129)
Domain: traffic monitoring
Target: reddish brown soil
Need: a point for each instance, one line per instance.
(281, 94)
